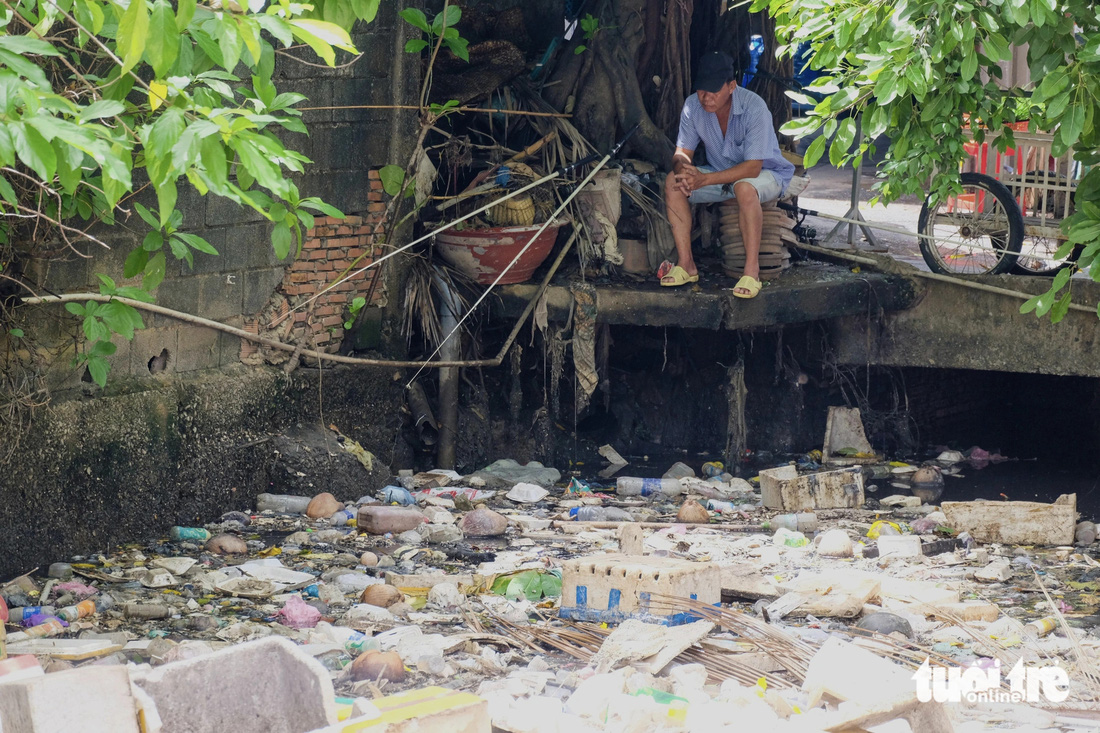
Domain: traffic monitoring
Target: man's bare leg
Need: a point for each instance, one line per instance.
(751, 221)
(679, 217)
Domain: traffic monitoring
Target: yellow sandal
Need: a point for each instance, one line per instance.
(747, 283)
(676, 277)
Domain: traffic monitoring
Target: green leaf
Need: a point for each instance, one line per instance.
(75, 308)
(197, 242)
(185, 11)
(415, 45)
(166, 199)
(154, 271)
(814, 151)
(100, 109)
(16, 332)
(146, 216)
(135, 262)
(133, 30)
(7, 192)
(416, 18)
(133, 293)
(1059, 310)
(321, 37)
(163, 44)
(366, 10)
(1073, 122)
(458, 48)
(34, 150)
(393, 177)
(280, 240)
(98, 368)
(969, 65)
(453, 15)
(106, 284)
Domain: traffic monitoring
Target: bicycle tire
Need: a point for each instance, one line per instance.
(984, 241)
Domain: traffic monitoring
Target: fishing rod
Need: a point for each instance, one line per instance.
(577, 189)
(558, 173)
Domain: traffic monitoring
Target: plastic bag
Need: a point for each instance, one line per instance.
(297, 614)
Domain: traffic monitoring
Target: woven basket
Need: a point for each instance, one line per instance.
(516, 212)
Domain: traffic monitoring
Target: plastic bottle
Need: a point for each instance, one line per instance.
(188, 534)
(599, 514)
(1041, 627)
(801, 522)
(61, 571)
(26, 612)
(146, 610)
(342, 518)
(282, 503)
(713, 469)
(634, 486)
(386, 519)
(722, 507)
(51, 627)
(80, 610)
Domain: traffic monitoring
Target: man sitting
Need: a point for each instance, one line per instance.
(743, 159)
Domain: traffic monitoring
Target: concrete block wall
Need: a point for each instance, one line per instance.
(346, 146)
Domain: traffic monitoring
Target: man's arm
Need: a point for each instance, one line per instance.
(691, 178)
(746, 169)
(682, 157)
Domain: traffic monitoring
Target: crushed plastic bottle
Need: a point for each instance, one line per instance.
(801, 522)
(282, 503)
(713, 469)
(599, 514)
(387, 519)
(188, 534)
(680, 470)
(634, 486)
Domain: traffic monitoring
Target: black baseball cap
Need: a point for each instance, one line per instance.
(715, 70)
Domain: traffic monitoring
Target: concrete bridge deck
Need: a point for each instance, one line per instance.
(809, 291)
(872, 318)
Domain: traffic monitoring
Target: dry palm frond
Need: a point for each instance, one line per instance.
(582, 641)
(1085, 665)
(421, 307)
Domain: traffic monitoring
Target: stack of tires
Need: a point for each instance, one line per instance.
(776, 234)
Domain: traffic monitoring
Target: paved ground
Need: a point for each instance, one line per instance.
(830, 192)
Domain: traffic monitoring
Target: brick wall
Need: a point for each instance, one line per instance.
(330, 249)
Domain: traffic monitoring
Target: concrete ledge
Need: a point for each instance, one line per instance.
(803, 294)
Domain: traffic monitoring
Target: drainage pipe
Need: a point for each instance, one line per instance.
(319, 355)
(451, 350)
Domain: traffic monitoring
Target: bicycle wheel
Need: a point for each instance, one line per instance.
(1037, 256)
(976, 232)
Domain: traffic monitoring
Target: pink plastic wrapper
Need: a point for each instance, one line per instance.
(297, 614)
(77, 588)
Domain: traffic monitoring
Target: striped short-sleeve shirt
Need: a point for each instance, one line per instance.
(749, 134)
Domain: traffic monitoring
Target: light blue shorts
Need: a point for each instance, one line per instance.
(767, 186)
